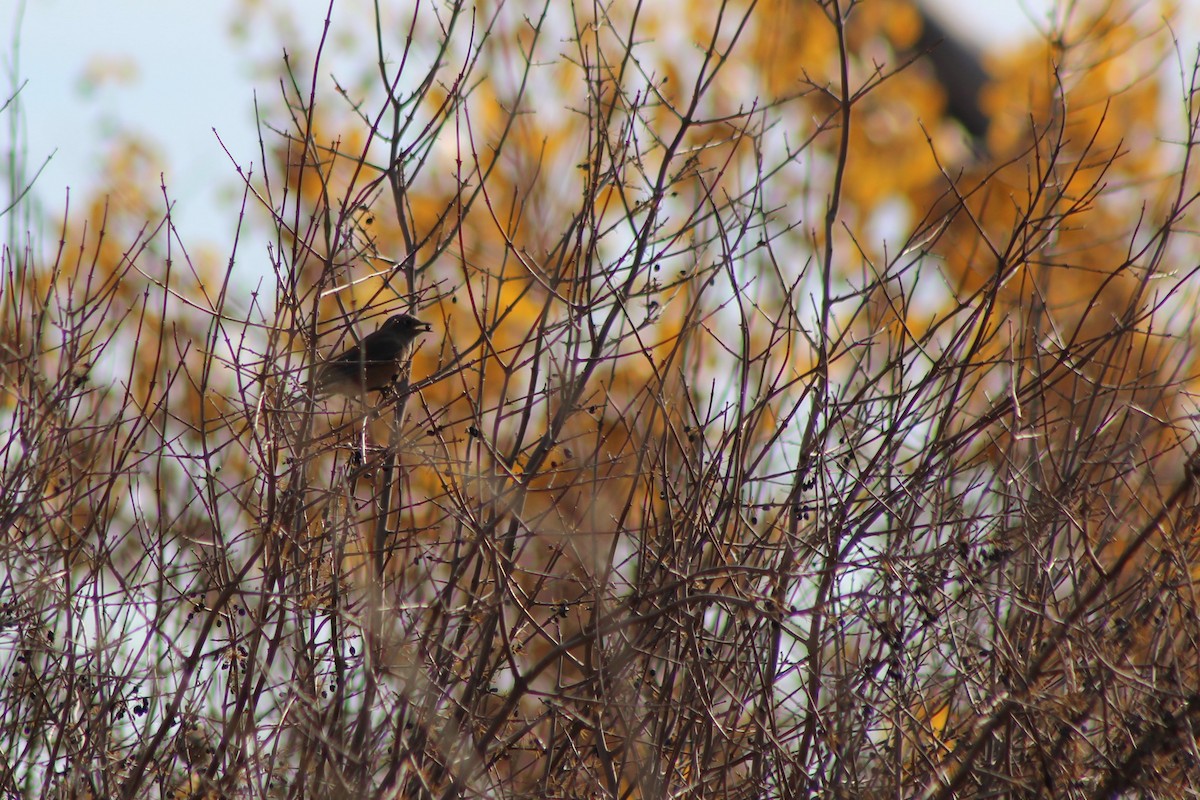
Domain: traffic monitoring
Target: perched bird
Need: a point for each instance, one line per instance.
(373, 363)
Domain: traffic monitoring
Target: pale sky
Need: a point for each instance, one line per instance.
(63, 41)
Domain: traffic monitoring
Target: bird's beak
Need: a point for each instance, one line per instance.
(426, 327)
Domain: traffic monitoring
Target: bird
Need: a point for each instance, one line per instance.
(373, 364)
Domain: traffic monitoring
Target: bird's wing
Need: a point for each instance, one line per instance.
(379, 348)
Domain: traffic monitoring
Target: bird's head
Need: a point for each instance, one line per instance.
(408, 324)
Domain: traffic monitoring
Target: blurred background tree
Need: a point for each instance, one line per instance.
(807, 411)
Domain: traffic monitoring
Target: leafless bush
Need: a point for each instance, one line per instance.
(698, 488)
